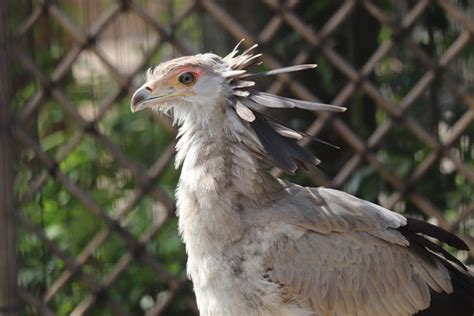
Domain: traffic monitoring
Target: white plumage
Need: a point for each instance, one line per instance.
(259, 246)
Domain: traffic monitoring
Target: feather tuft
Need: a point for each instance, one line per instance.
(241, 93)
(275, 101)
(234, 51)
(244, 112)
(251, 48)
(280, 142)
(282, 70)
(243, 84)
(233, 73)
(284, 152)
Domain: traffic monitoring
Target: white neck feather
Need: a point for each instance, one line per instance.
(219, 176)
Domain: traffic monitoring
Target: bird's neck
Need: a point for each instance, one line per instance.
(220, 176)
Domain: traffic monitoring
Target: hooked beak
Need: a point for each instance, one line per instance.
(143, 98)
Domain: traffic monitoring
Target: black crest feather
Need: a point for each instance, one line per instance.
(279, 141)
(284, 151)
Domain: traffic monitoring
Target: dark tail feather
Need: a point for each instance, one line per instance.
(418, 226)
(428, 244)
(458, 303)
(461, 301)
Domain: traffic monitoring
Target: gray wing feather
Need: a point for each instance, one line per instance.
(348, 258)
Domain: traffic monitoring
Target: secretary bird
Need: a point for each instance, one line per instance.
(258, 245)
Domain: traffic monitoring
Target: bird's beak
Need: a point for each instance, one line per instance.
(143, 98)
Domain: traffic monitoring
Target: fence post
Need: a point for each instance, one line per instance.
(8, 260)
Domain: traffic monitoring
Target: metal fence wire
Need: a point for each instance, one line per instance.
(94, 206)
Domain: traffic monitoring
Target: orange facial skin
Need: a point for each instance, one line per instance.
(172, 78)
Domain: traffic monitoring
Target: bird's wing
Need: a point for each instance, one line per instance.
(340, 255)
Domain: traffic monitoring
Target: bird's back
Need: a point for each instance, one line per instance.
(334, 254)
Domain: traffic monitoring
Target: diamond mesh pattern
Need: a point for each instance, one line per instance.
(90, 45)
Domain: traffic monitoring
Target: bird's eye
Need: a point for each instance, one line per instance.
(186, 78)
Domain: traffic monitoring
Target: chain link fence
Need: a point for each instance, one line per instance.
(94, 184)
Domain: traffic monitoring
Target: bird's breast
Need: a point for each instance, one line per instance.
(208, 211)
(228, 282)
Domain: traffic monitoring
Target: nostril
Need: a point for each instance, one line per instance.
(148, 88)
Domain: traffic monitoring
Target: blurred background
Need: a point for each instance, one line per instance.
(88, 187)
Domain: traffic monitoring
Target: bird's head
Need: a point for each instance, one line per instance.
(204, 85)
(186, 84)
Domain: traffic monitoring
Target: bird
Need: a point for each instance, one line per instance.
(259, 245)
